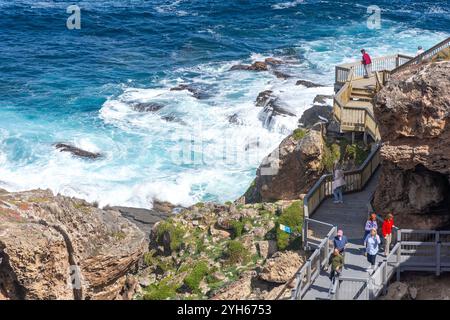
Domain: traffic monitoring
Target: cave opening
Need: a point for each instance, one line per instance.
(442, 183)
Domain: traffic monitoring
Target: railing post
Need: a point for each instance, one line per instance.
(399, 256)
(305, 233)
(438, 254)
(308, 272)
(385, 276)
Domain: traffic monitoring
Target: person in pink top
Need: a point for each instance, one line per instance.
(367, 63)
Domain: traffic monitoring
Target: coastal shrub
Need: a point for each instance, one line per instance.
(193, 279)
(356, 153)
(237, 227)
(228, 203)
(293, 218)
(176, 233)
(236, 253)
(330, 155)
(200, 205)
(299, 134)
(161, 291)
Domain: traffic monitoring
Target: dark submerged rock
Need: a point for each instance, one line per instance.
(308, 84)
(63, 147)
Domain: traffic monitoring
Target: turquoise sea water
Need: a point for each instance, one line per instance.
(78, 86)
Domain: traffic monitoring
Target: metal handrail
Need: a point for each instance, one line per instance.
(307, 211)
(297, 292)
(425, 55)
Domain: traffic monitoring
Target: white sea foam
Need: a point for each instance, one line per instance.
(285, 5)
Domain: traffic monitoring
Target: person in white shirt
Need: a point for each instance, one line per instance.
(419, 51)
(338, 185)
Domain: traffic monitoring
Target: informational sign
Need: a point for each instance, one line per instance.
(285, 228)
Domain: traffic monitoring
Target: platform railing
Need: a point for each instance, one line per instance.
(423, 57)
(391, 62)
(307, 274)
(415, 250)
(355, 180)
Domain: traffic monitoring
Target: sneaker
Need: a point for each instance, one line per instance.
(369, 269)
(336, 202)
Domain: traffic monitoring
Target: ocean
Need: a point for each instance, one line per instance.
(79, 87)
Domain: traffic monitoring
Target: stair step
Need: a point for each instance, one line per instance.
(362, 94)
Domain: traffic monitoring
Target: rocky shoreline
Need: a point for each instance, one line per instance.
(234, 250)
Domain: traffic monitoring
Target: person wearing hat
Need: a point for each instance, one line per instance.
(367, 63)
(371, 223)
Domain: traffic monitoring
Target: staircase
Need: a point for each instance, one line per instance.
(353, 101)
(417, 250)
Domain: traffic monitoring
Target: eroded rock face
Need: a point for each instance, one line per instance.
(413, 112)
(46, 242)
(289, 170)
(238, 290)
(282, 266)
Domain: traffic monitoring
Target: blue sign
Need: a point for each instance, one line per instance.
(285, 228)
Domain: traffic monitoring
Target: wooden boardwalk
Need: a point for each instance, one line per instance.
(350, 217)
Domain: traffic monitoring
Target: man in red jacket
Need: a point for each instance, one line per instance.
(367, 63)
(386, 230)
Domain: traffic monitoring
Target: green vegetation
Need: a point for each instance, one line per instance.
(193, 279)
(299, 134)
(200, 205)
(176, 233)
(357, 153)
(331, 154)
(236, 253)
(293, 218)
(151, 260)
(228, 203)
(162, 291)
(238, 228)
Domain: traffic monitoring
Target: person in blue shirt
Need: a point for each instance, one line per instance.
(372, 244)
(340, 241)
(371, 223)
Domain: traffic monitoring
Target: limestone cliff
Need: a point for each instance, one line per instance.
(54, 247)
(413, 112)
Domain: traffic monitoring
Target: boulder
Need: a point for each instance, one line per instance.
(263, 98)
(282, 266)
(307, 84)
(311, 116)
(256, 66)
(234, 119)
(273, 61)
(266, 248)
(146, 106)
(322, 98)
(49, 241)
(196, 92)
(238, 290)
(75, 151)
(281, 75)
(397, 291)
(289, 170)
